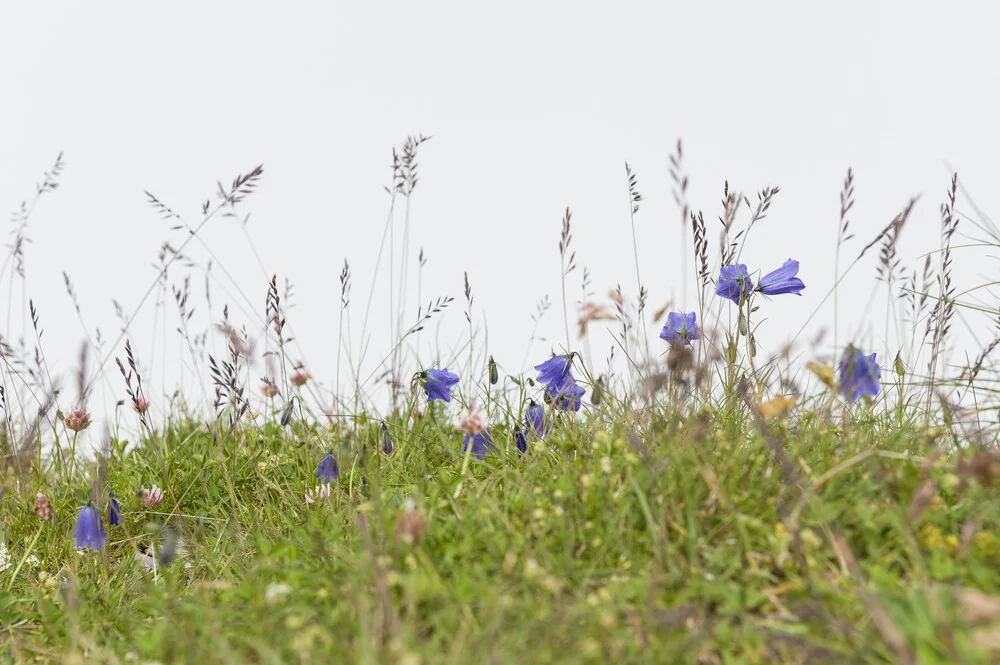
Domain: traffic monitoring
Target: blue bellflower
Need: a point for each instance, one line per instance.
(520, 441)
(482, 444)
(859, 374)
(782, 280)
(327, 469)
(89, 531)
(734, 282)
(535, 420)
(555, 370)
(438, 384)
(114, 512)
(680, 327)
(566, 396)
(560, 386)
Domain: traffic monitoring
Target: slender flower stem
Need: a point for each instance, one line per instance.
(565, 308)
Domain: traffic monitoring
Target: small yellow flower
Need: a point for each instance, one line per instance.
(986, 543)
(824, 371)
(778, 406)
(810, 539)
(930, 536)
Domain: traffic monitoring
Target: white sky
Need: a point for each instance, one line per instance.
(532, 106)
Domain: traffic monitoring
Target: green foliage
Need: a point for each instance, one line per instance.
(673, 544)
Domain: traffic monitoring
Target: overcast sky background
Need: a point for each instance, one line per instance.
(532, 106)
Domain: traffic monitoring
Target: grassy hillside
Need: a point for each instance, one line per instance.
(702, 538)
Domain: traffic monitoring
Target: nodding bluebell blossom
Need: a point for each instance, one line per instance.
(561, 388)
(438, 384)
(734, 283)
(482, 444)
(520, 441)
(555, 370)
(535, 420)
(680, 327)
(859, 374)
(89, 530)
(114, 511)
(327, 469)
(566, 396)
(782, 280)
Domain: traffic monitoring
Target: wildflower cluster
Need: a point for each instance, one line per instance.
(859, 373)
(89, 532)
(736, 284)
(561, 389)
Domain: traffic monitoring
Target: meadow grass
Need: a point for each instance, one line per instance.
(600, 544)
(681, 517)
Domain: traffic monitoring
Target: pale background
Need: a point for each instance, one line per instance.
(532, 106)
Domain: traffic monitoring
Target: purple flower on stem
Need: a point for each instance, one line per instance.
(859, 374)
(520, 441)
(782, 280)
(438, 384)
(327, 469)
(535, 421)
(555, 370)
(114, 512)
(734, 283)
(680, 327)
(89, 531)
(566, 396)
(482, 444)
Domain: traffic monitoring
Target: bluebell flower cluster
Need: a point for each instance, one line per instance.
(327, 470)
(680, 328)
(561, 389)
(859, 374)
(736, 284)
(438, 384)
(89, 531)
